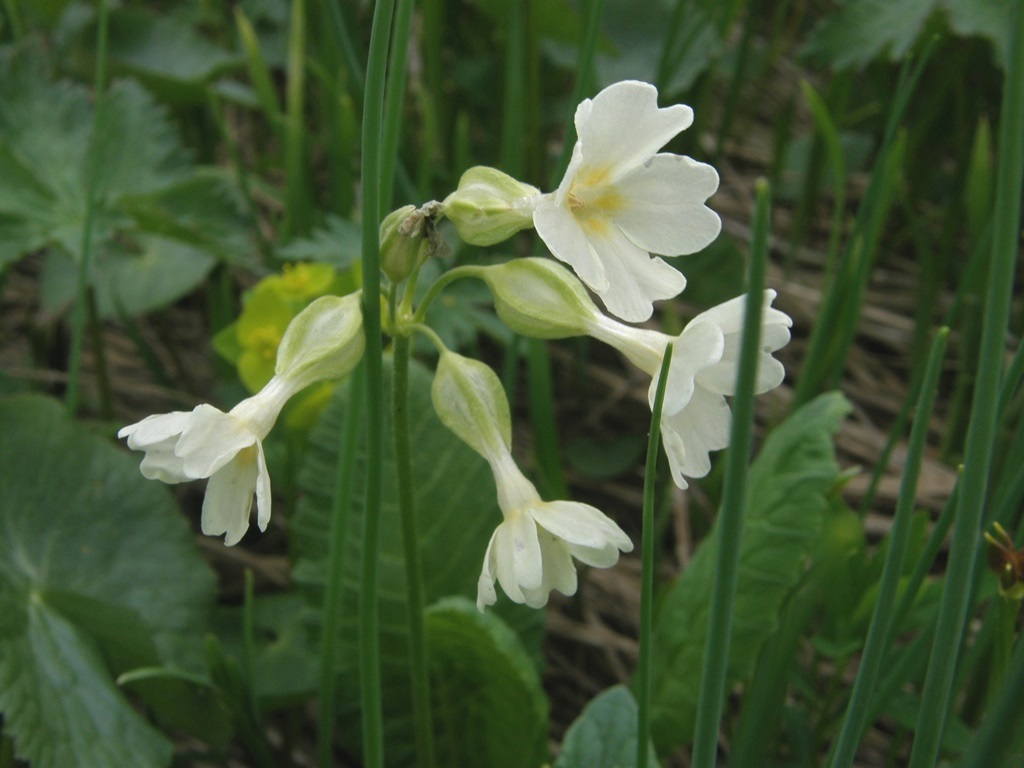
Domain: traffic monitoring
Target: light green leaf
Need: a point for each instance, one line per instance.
(786, 505)
(98, 572)
(337, 243)
(862, 30)
(457, 512)
(489, 707)
(154, 229)
(604, 735)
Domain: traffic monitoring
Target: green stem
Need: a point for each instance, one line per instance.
(100, 354)
(85, 257)
(340, 510)
(395, 96)
(730, 516)
(646, 630)
(1001, 728)
(899, 537)
(422, 715)
(249, 642)
(369, 648)
(980, 433)
(439, 285)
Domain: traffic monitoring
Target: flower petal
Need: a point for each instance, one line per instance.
(211, 440)
(559, 571)
(697, 347)
(485, 594)
(580, 524)
(701, 427)
(622, 125)
(155, 429)
(635, 280)
(229, 498)
(263, 497)
(596, 557)
(663, 205)
(564, 237)
(161, 463)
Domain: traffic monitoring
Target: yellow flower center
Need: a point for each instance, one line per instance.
(593, 201)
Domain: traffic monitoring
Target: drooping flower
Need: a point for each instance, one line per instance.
(531, 551)
(539, 298)
(225, 447)
(621, 200)
(324, 341)
(695, 416)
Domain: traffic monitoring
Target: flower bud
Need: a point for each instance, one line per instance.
(324, 341)
(540, 298)
(490, 206)
(408, 237)
(470, 401)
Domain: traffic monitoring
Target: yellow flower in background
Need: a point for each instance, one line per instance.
(302, 282)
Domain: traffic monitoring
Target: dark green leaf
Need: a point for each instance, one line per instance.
(604, 735)
(862, 30)
(489, 707)
(786, 505)
(97, 572)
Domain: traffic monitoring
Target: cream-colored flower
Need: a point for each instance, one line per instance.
(531, 551)
(324, 341)
(621, 200)
(695, 417)
(225, 447)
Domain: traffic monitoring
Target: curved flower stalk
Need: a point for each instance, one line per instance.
(531, 551)
(324, 341)
(536, 297)
(621, 200)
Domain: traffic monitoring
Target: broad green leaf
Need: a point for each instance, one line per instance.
(989, 19)
(604, 735)
(456, 514)
(155, 225)
(862, 30)
(489, 706)
(163, 52)
(785, 509)
(98, 573)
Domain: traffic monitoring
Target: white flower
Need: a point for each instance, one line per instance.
(695, 417)
(530, 552)
(225, 447)
(619, 201)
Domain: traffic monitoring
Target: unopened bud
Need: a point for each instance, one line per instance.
(471, 402)
(540, 298)
(324, 341)
(408, 237)
(490, 206)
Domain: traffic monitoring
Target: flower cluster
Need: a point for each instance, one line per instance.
(621, 205)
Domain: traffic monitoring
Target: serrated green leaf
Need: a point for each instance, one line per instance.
(456, 515)
(163, 52)
(862, 30)
(97, 572)
(153, 228)
(337, 243)
(604, 735)
(989, 19)
(786, 505)
(489, 707)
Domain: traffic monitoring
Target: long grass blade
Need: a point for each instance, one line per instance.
(899, 537)
(979, 446)
(730, 516)
(79, 319)
(369, 648)
(646, 630)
